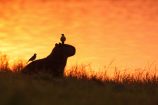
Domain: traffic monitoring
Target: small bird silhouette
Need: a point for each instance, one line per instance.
(32, 58)
(63, 38)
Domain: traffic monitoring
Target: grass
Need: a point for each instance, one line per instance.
(80, 86)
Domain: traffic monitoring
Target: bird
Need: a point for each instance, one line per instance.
(32, 58)
(63, 38)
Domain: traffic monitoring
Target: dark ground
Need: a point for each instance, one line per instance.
(18, 89)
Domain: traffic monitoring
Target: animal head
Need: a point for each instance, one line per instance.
(62, 34)
(63, 50)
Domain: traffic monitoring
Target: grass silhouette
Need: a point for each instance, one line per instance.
(81, 86)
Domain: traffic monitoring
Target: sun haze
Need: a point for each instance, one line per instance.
(125, 31)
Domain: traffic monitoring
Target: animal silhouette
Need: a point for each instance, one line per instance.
(63, 38)
(32, 58)
(54, 63)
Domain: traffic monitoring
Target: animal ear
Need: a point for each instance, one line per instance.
(60, 44)
(56, 44)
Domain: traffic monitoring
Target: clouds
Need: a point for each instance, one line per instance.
(114, 27)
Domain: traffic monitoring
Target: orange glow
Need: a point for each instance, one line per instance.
(102, 30)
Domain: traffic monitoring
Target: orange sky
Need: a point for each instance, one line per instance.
(125, 31)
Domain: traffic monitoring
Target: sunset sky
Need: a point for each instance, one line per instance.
(123, 31)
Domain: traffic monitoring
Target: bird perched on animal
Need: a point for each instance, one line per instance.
(32, 58)
(63, 38)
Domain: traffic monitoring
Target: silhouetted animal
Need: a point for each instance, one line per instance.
(63, 38)
(32, 58)
(54, 63)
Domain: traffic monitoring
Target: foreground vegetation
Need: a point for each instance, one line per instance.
(42, 89)
(78, 87)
